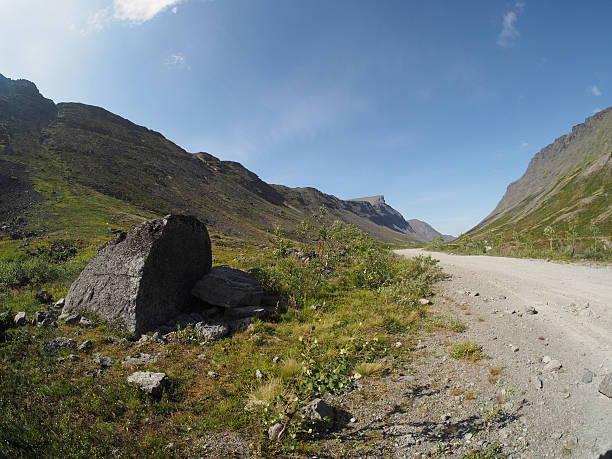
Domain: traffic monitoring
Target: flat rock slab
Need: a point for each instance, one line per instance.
(242, 312)
(605, 387)
(148, 381)
(211, 331)
(228, 287)
(143, 278)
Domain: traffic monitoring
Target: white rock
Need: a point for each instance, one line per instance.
(148, 381)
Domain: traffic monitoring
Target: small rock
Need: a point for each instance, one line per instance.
(274, 431)
(318, 410)
(531, 310)
(546, 359)
(259, 374)
(212, 374)
(86, 346)
(570, 442)
(61, 342)
(538, 383)
(587, 377)
(276, 359)
(148, 381)
(553, 365)
(59, 304)
(43, 297)
(468, 436)
(445, 417)
(202, 356)
(85, 322)
(212, 331)
(20, 319)
(357, 376)
(93, 373)
(398, 344)
(424, 301)
(73, 357)
(104, 361)
(605, 387)
(315, 306)
(352, 420)
(475, 294)
(71, 318)
(513, 348)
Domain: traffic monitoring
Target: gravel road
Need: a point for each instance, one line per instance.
(562, 410)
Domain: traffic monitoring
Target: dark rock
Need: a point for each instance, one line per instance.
(318, 410)
(20, 319)
(248, 311)
(61, 342)
(86, 346)
(71, 318)
(143, 278)
(104, 361)
(228, 287)
(148, 381)
(605, 387)
(43, 297)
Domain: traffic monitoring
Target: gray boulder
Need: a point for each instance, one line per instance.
(143, 278)
(318, 410)
(228, 287)
(148, 381)
(212, 331)
(605, 387)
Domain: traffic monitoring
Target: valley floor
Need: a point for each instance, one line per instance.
(552, 412)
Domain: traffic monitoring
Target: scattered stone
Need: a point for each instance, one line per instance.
(20, 319)
(501, 297)
(475, 294)
(318, 410)
(71, 318)
(276, 359)
(140, 359)
(43, 297)
(61, 342)
(274, 431)
(553, 365)
(424, 301)
(228, 287)
(570, 442)
(468, 436)
(587, 377)
(213, 374)
(148, 381)
(315, 306)
(85, 322)
(59, 304)
(73, 357)
(202, 356)
(538, 383)
(398, 344)
(357, 376)
(513, 348)
(605, 387)
(212, 331)
(104, 361)
(546, 359)
(86, 346)
(144, 277)
(115, 340)
(531, 310)
(259, 374)
(352, 420)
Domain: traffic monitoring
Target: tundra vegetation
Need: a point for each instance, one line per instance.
(344, 301)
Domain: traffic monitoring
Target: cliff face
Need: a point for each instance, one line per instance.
(569, 178)
(73, 150)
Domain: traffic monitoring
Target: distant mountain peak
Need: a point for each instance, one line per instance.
(377, 200)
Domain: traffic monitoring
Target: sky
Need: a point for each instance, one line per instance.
(437, 105)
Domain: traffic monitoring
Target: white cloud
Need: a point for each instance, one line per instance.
(177, 60)
(524, 144)
(509, 32)
(597, 110)
(595, 90)
(139, 11)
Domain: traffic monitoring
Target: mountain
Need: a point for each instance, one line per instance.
(426, 232)
(71, 168)
(570, 179)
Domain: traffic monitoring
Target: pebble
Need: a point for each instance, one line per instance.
(546, 359)
(357, 376)
(212, 374)
(259, 374)
(553, 365)
(571, 442)
(538, 383)
(587, 378)
(531, 310)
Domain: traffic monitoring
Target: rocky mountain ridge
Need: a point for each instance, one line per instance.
(50, 152)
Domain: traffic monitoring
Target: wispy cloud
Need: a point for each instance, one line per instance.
(509, 33)
(177, 60)
(524, 144)
(595, 90)
(135, 12)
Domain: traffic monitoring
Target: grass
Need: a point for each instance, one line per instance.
(466, 351)
(50, 407)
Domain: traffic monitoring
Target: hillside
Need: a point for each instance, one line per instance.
(569, 180)
(61, 161)
(426, 232)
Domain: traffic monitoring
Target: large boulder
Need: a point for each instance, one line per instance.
(228, 287)
(143, 278)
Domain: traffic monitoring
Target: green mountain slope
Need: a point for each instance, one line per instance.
(76, 168)
(567, 184)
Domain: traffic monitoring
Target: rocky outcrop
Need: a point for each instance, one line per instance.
(143, 278)
(426, 232)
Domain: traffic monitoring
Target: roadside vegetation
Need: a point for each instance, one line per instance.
(344, 303)
(561, 242)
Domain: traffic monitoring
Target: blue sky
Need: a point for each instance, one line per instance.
(438, 105)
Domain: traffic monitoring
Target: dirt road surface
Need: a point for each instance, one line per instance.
(562, 411)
